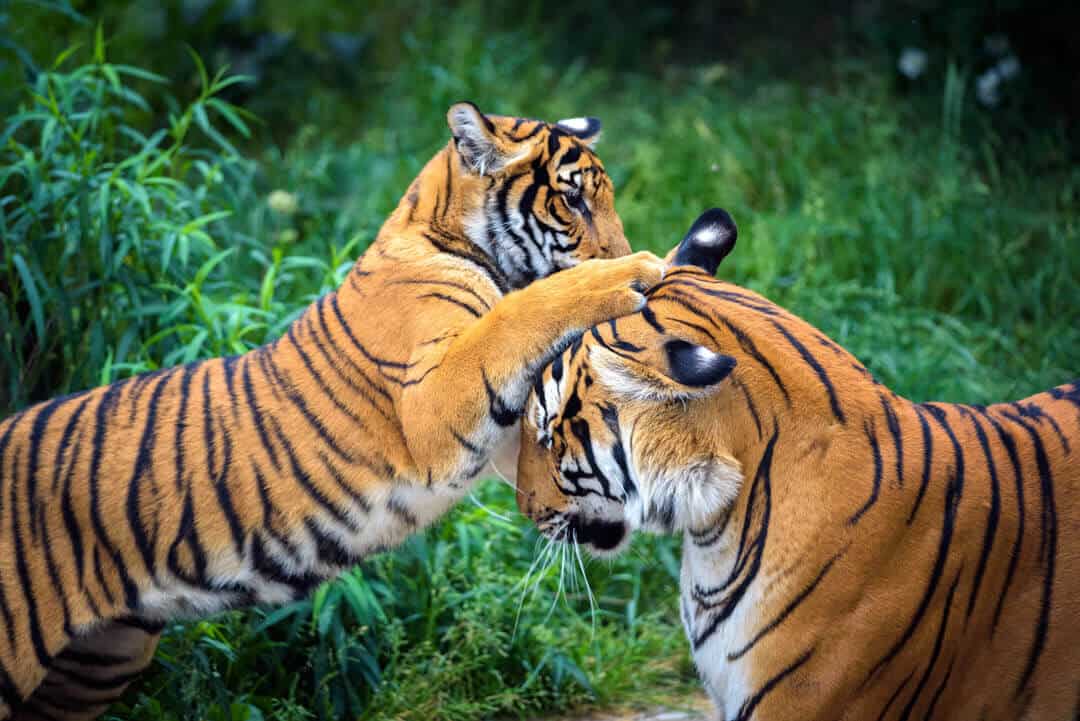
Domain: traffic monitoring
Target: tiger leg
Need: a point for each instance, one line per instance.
(92, 672)
(451, 428)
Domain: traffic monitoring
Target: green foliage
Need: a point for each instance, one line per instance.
(108, 233)
(137, 235)
(437, 629)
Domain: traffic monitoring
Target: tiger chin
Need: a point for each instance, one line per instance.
(252, 479)
(847, 553)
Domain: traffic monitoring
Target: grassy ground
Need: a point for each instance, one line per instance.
(908, 230)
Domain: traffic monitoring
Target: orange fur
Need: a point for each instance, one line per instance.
(848, 553)
(251, 479)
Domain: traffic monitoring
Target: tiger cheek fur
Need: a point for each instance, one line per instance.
(251, 479)
(877, 558)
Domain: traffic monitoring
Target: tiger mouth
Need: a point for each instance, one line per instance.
(594, 533)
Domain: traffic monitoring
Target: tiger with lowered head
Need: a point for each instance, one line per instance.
(251, 479)
(847, 553)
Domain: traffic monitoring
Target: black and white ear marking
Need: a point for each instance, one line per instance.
(709, 240)
(696, 366)
(586, 130)
(474, 137)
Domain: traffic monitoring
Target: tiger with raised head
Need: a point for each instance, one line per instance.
(252, 479)
(847, 553)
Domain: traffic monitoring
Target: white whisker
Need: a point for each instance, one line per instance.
(585, 578)
(535, 574)
(486, 509)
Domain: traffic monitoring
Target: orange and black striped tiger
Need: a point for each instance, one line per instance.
(847, 553)
(251, 479)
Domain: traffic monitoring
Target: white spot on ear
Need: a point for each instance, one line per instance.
(710, 236)
(579, 125)
(704, 357)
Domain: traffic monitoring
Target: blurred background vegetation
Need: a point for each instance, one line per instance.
(178, 179)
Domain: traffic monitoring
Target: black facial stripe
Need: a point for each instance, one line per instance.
(572, 155)
(581, 432)
(610, 414)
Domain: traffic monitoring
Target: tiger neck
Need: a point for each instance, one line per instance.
(445, 202)
(462, 213)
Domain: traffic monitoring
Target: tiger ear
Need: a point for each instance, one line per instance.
(709, 240)
(587, 130)
(672, 369)
(477, 140)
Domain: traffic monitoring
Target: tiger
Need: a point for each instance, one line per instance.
(252, 479)
(847, 553)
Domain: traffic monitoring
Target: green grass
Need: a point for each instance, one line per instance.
(942, 257)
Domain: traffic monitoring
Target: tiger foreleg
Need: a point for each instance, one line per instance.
(453, 424)
(91, 673)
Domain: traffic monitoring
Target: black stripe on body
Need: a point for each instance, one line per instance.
(328, 549)
(1009, 444)
(953, 491)
(928, 459)
(498, 409)
(187, 534)
(383, 365)
(220, 483)
(993, 514)
(102, 420)
(819, 370)
(746, 710)
(67, 511)
(264, 563)
(937, 694)
(747, 556)
(187, 374)
(939, 641)
(312, 419)
(343, 484)
(1047, 548)
(256, 416)
(453, 301)
(787, 610)
(270, 513)
(875, 489)
(5, 608)
(896, 694)
(337, 353)
(30, 596)
(144, 458)
(465, 249)
(751, 406)
(445, 284)
(893, 424)
(37, 433)
(315, 375)
(99, 576)
(304, 479)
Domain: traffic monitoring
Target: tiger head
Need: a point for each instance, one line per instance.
(532, 195)
(624, 430)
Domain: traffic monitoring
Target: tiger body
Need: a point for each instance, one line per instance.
(251, 479)
(847, 553)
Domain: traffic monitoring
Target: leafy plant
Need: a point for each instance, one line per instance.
(108, 232)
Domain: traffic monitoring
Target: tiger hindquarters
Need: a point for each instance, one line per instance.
(91, 673)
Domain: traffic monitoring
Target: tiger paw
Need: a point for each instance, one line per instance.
(606, 289)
